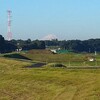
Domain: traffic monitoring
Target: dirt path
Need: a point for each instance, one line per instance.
(67, 94)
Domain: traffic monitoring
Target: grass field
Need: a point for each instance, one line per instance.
(70, 59)
(20, 83)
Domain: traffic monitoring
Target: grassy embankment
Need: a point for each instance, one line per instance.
(70, 59)
(19, 83)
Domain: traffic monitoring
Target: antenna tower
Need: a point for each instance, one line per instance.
(9, 33)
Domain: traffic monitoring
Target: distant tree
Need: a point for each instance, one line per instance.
(9, 46)
(2, 44)
(90, 45)
(42, 45)
(28, 41)
(53, 42)
(63, 44)
(34, 45)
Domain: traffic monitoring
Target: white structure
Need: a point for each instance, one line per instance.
(9, 33)
(54, 51)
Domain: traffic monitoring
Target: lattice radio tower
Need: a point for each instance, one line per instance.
(9, 33)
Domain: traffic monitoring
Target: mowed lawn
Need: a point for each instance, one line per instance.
(20, 83)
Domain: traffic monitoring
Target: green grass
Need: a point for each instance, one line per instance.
(70, 59)
(19, 83)
(54, 57)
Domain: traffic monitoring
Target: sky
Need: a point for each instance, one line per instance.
(65, 19)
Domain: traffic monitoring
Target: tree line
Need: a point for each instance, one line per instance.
(90, 45)
(14, 45)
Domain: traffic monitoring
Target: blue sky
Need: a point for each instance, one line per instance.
(66, 19)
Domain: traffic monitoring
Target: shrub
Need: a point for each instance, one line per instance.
(56, 65)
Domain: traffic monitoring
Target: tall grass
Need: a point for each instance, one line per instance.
(20, 83)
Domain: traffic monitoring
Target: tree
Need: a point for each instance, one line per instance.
(2, 44)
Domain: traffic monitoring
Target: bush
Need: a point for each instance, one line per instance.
(56, 65)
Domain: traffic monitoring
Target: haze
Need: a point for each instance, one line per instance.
(66, 19)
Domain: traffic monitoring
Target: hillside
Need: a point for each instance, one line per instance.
(20, 83)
